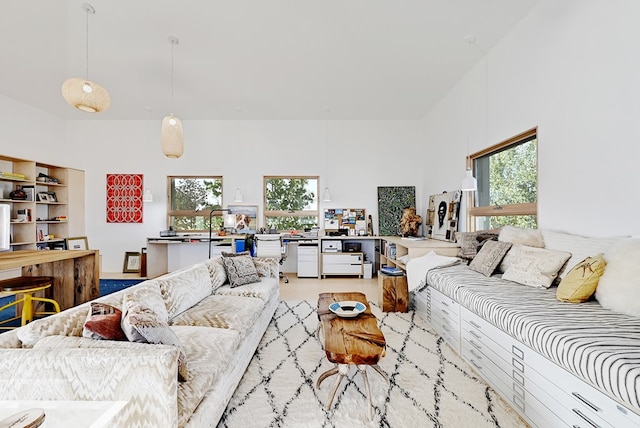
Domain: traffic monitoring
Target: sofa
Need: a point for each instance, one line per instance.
(209, 329)
(558, 361)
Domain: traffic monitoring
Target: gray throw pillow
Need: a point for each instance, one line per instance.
(240, 270)
(489, 257)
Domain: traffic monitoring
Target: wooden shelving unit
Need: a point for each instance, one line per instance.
(42, 224)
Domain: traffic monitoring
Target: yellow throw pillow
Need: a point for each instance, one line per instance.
(582, 280)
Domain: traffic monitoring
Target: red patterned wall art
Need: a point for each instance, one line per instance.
(124, 198)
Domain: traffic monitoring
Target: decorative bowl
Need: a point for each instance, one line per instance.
(347, 309)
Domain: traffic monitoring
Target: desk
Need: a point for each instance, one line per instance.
(76, 273)
(168, 254)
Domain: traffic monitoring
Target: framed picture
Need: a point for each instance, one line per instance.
(392, 200)
(52, 197)
(246, 217)
(78, 243)
(442, 215)
(43, 197)
(131, 262)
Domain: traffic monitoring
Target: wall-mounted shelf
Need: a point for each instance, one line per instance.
(69, 202)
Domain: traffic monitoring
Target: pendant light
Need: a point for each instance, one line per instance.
(326, 197)
(238, 197)
(172, 139)
(84, 94)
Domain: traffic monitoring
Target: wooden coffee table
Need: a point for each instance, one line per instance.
(356, 341)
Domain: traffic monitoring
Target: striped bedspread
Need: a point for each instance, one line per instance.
(597, 345)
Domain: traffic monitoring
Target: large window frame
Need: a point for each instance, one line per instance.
(269, 213)
(519, 209)
(203, 206)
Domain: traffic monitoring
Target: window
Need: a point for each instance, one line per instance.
(507, 176)
(290, 203)
(191, 199)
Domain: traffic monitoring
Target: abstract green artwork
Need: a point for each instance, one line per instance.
(391, 201)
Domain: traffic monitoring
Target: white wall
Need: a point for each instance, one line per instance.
(570, 68)
(363, 155)
(29, 133)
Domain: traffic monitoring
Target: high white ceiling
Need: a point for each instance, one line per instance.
(276, 59)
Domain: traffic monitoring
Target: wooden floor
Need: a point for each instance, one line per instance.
(309, 288)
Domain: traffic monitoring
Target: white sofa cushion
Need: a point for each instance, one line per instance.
(263, 289)
(183, 289)
(210, 352)
(522, 236)
(234, 312)
(619, 285)
(580, 247)
(536, 267)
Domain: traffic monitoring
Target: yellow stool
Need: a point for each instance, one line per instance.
(27, 286)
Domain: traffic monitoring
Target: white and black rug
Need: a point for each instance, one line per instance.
(431, 386)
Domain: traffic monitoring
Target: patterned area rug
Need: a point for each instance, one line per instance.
(430, 385)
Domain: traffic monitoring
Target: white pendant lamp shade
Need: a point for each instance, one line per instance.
(238, 197)
(469, 182)
(172, 139)
(85, 95)
(327, 195)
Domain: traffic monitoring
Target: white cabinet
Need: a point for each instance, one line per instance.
(444, 315)
(542, 391)
(342, 264)
(307, 261)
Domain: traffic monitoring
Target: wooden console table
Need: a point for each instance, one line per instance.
(357, 341)
(76, 273)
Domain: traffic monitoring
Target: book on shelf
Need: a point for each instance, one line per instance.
(14, 175)
(390, 270)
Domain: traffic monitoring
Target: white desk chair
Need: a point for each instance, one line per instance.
(271, 245)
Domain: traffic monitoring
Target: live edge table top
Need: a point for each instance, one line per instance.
(355, 340)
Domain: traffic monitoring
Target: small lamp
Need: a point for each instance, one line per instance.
(147, 196)
(326, 196)
(469, 182)
(230, 221)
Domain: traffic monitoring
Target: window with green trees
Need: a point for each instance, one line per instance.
(507, 175)
(290, 203)
(191, 200)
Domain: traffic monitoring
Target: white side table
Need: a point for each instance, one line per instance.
(64, 414)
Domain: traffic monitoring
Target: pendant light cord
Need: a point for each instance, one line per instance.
(326, 143)
(172, 45)
(238, 110)
(87, 42)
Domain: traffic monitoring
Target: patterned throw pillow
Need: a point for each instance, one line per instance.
(267, 267)
(582, 280)
(217, 272)
(240, 269)
(141, 323)
(536, 267)
(489, 257)
(472, 242)
(103, 323)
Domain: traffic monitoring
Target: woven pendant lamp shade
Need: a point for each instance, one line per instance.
(172, 139)
(85, 95)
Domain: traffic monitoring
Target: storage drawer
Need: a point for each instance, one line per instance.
(489, 371)
(342, 258)
(494, 343)
(577, 394)
(446, 303)
(342, 264)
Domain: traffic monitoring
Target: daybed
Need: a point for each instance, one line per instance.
(558, 363)
(217, 327)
